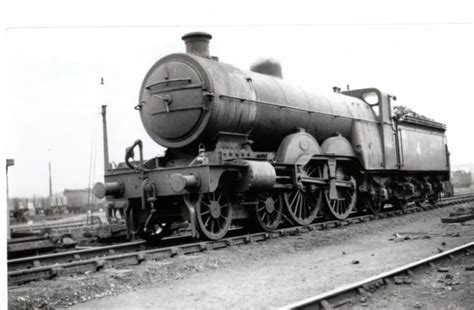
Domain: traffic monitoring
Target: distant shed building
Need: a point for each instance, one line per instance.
(79, 197)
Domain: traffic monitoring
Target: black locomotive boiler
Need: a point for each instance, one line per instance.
(248, 147)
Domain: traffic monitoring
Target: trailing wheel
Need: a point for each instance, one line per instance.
(267, 212)
(433, 199)
(399, 203)
(303, 203)
(213, 214)
(341, 206)
(371, 205)
(419, 202)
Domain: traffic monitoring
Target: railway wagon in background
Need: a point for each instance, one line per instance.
(462, 179)
(249, 148)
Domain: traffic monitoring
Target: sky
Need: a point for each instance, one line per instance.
(419, 52)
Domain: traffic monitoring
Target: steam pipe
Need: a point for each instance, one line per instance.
(129, 153)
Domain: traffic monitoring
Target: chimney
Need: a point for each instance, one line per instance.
(197, 43)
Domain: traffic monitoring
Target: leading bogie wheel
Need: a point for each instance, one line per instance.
(213, 214)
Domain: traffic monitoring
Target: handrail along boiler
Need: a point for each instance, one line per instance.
(247, 147)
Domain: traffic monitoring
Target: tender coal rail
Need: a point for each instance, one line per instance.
(344, 295)
(91, 260)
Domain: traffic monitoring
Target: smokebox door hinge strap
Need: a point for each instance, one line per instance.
(168, 82)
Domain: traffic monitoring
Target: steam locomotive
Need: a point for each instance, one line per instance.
(248, 148)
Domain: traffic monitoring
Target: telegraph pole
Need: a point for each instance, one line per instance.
(106, 143)
(10, 162)
(104, 132)
(50, 182)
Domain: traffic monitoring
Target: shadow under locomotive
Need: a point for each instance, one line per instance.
(247, 147)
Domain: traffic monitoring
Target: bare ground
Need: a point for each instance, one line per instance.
(449, 285)
(258, 276)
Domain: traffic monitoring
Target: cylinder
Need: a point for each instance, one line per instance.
(258, 175)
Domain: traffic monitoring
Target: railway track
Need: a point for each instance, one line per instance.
(344, 295)
(50, 239)
(91, 260)
(41, 226)
(79, 226)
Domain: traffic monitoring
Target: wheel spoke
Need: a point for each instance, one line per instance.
(304, 206)
(206, 217)
(343, 207)
(293, 200)
(298, 203)
(265, 214)
(311, 173)
(270, 218)
(307, 205)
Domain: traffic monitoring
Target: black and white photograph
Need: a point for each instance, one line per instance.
(237, 155)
